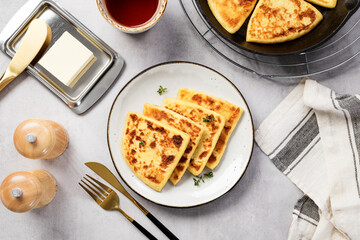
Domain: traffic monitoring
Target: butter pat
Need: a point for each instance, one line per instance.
(68, 59)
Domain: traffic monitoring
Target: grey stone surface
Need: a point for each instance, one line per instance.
(258, 207)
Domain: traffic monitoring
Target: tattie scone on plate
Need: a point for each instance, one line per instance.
(231, 112)
(213, 123)
(152, 149)
(194, 130)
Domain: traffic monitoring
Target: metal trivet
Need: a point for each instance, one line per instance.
(338, 50)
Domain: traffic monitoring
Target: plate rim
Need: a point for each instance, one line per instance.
(169, 63)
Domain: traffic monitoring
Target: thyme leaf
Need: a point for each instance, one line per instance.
(201, 178)
(209, 118)
(161, 90)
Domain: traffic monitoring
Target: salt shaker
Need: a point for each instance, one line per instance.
(37, 138)
(25, 190)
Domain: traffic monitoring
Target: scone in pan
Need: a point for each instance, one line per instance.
(333, 20)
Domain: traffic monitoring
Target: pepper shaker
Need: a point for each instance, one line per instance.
(37, 138)
(25, 190)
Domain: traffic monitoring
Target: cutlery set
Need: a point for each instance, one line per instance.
(107, 198)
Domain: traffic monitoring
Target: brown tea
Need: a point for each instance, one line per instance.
(131, 13)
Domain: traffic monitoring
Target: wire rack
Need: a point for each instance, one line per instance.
(338, 50)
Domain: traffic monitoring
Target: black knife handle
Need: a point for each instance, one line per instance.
(166, 231)
(143, 230)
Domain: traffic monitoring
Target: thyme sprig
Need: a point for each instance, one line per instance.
(199, 179)
(161, 90)
(209, 118)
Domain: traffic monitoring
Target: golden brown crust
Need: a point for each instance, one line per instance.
(211, 134)
(275, 21)
(324, 3)
(231, 14)
(152, 149)
(231, 112)
(185, 125)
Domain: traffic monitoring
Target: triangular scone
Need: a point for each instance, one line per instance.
(231, 14)
(231, 112)
(152, 149)
(213, 123)
(324, 3)
(276, 21)
(194, 130)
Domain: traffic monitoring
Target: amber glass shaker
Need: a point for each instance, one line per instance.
(37, 138)
(25, 190)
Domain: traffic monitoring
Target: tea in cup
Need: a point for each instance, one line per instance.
(132, 16)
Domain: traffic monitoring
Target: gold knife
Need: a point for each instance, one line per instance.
(108, 176)
(36, 40)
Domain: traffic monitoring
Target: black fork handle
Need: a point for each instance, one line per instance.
(143, 230)
(166, 231)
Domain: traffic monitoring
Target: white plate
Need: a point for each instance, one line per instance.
(174, 75)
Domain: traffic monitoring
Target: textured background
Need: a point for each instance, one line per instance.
(259, 206)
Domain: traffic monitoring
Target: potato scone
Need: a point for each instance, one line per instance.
(231, 112)
(324, 3)
(276, 21)
(152, 149)
(231, 14)
(213, 123)
(182, 123)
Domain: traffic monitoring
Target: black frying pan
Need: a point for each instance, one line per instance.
(331, 23)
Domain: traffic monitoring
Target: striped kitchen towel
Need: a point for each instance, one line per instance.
(313, 137)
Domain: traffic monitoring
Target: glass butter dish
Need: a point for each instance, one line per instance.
(98, 77)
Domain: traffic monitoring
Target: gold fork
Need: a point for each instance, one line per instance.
(109, 200)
